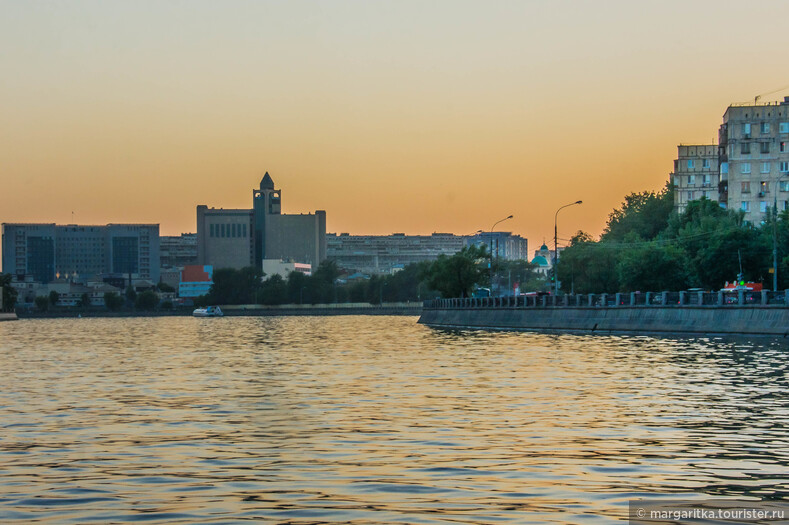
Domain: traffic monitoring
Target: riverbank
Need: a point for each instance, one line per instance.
(709, 314)
(8, 316)
(240, 310)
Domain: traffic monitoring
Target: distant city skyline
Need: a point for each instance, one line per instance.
(405, 117)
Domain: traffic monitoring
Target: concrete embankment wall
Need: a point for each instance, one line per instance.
(763, 320)
(7, 316)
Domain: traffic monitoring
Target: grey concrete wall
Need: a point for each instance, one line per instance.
(768, 320)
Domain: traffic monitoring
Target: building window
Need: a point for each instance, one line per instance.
(746, 187)
(705, 163)
(245, 230)
(764, 148)
(706, 179)
(745, 206)
(745, 148)
(691, 180)
(690, 164)
(210, 230)
(784, 167)
(690, 196)
(746, 131)
(765, 167)
(762, 206)
(745, 167)
(724, 168)
(783, 127)
(765, 128)
(782, 147)
(763, 186)
(783, 185)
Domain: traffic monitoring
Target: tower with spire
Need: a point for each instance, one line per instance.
(266, 201)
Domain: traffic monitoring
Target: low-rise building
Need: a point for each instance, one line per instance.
(284, 268)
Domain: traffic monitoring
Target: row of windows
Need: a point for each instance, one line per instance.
(705, 179)
(764, 148)
(783, 167)
(697, 195)
(705, 163)
(746, 206)
(764, 128)
(764, 186)
(227, 230)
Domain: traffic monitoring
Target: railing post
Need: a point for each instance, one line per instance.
(603, 299)
(786, 297)
(591, 298)
(618, 299)
(663, 298)
(701, 298)
(740, 297)
(632, 298)
(648, 300)
(720, 298)
(764, 297)
(682, 298)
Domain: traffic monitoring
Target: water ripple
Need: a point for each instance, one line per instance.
(376, 420)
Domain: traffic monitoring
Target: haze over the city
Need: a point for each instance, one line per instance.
(400, 116)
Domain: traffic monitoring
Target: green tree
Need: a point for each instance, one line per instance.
(84, 300)
(232, 286)
(586, 266)
(147, 300)
(9, 293)
(42, 303)
(273, 291)
(651, 267)
(298, 288)
(131, 294)
(457, 275)
(112, 301)
(54, 297)
(644, 214)
(164, 287)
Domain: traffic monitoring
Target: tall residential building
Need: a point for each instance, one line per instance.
(754, 157)
(696, 174)
(241, 237)
(752, 162)
(381, 254)
(80, 252)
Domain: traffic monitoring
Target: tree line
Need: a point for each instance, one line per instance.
(447, 276)
(647, 246)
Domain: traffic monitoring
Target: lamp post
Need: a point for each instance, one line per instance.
(497, 250)
(775, 234)
(556, 246)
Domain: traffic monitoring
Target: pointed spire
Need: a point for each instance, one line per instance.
(267, 183)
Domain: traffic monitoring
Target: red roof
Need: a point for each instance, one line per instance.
(195, 274)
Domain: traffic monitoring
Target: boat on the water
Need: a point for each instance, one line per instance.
(210, 311)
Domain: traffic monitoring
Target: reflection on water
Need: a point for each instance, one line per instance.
(376, 419)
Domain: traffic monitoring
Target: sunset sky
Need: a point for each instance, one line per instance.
(406, 116)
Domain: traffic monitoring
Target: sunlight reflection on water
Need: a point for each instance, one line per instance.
(376, 419)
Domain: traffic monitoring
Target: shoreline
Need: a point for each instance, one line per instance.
(405, 309)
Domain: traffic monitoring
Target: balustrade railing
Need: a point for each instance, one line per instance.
(691, 298)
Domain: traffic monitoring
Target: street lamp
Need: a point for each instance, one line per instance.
(497, 250)
(775, 234)
(556, 246)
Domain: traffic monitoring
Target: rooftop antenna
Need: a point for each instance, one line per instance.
(72, 218)
(757, 97)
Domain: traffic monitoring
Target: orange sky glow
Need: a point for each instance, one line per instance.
(414, 117)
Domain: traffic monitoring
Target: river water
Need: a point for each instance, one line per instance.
(376, 420)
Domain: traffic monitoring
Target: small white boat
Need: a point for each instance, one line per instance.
(210, 311)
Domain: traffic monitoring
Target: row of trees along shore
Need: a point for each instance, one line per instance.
(647, 246)
(447, 276)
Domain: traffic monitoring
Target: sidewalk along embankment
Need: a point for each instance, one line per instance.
(324, 309)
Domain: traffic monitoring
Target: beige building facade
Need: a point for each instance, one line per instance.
(696, 174)
(754, 157)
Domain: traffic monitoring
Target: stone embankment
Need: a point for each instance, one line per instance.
(762, 313)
